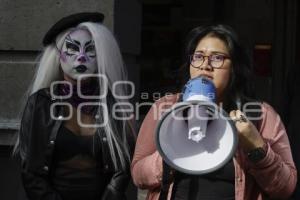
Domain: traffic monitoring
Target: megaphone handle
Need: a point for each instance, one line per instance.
(167, 177)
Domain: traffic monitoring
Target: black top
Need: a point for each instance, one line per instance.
(38, 133)
(218, 185)
(77, 174)
(69, 145)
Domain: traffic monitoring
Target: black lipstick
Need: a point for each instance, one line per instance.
(81, 68)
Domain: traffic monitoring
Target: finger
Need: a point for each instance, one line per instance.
(241, 116)
(238, 113)
(232, 114)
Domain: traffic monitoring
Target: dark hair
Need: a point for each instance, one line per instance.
(241, 80)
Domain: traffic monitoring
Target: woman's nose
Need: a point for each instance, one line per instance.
(81, 58)
(206, 65)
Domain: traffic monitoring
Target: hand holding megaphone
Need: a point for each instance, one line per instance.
(249, 136)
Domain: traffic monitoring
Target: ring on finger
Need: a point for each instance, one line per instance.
(241, 118)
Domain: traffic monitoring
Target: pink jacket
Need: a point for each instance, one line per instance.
(274, 176)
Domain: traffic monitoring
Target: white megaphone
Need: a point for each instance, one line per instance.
(196, 136)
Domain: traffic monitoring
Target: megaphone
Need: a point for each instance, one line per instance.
(196, 136)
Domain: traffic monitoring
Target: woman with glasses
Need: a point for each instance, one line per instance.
(262, 166)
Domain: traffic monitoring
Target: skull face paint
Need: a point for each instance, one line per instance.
(78, 54)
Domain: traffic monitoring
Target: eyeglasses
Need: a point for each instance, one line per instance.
(214, 60)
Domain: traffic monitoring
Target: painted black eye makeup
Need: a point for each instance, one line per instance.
(72, 46)
(76, 42)
(89, 43)
(90, 48)
(90, 51)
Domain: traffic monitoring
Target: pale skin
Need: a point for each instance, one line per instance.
(249, 137)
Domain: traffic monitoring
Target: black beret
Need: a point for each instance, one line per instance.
(70, 21)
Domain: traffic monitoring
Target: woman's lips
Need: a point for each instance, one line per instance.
(207, 76)
(81, 68)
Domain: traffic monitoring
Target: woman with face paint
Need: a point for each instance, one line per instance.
(70, 143)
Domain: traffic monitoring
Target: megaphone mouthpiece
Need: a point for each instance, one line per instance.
(199, 88)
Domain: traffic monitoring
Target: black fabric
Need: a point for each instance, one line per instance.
(70, 21)
(38, 133)
(218, 185)
(68, 145)
(291, 117)
(76, 173)
(74, 183)
(166, 180)
(115, 190)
